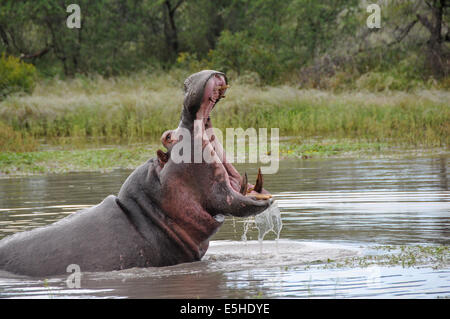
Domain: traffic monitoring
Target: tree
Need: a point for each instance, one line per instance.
(408, 19)
(437, 59)
(170, 28)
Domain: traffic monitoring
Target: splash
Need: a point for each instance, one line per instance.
(266, 222)
(269, 221)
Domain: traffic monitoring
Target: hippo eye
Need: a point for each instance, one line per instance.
(168, 137)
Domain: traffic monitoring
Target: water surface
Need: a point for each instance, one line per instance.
(331, 209)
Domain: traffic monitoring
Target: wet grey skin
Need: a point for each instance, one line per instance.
(165, 212)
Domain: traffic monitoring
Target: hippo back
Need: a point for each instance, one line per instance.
(97, 238)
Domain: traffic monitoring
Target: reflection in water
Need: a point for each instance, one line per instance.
(350, 202)
(443, 175)
(378, 201)
(236, 270)
(28, 202)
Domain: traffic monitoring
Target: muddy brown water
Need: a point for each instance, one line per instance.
(331, 209)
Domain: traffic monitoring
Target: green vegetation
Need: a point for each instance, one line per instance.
(15, 76)
(113, 110)
(397, 118)
(87, 114)
(311, 68)
(139, 108)
(63, 161)
(318, 44)
(332, 148)
(406, 256)
(94, 157)
(15, 141)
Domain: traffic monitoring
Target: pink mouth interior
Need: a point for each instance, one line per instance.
(214, 90)
(211, 95)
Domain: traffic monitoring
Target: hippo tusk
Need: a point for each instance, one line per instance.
(244, 182)
(259, 182)
(222, 89)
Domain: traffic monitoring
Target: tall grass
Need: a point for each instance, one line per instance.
(421, 118)
(140, 107)
(124, 109)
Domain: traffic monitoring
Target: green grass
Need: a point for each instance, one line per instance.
(85, 158)
(405, 255)
(66, 125)
(63, 161)
(331, 148)
(398, 118)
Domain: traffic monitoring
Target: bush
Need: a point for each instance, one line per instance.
(16, 76)
(243, 54)
(190, 62)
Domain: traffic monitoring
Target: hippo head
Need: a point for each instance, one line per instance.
(203, 178)
(187, 199)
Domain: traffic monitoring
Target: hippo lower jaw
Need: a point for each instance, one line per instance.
(252, 199)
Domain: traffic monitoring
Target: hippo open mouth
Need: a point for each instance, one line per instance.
(196, 117)
(214, 91)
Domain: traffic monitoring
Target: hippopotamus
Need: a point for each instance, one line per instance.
(165, 212)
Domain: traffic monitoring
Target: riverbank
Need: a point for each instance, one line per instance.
(50, 160)
(98, 124)
(80, 160)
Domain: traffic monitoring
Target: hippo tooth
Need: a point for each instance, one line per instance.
(260, 196)
(244, 182)
(259, 182)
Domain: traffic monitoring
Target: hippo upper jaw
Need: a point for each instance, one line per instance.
(195, 87)
(203, 91)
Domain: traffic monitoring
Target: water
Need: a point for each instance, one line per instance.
(330, 210)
